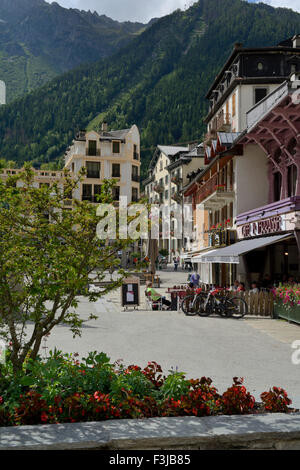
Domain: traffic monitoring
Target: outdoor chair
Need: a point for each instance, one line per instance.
(153, 304)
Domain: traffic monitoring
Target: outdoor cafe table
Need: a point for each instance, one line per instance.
(176, 293)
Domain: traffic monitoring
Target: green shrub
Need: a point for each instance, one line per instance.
(63, 389)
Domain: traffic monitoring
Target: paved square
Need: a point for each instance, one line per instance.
(257, 349)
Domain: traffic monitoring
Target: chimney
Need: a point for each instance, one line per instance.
(104, 127)
(296, 41)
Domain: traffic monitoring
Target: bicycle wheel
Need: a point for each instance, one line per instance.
(187, 306)
(203, 309)
(220, 307)
(236, 307)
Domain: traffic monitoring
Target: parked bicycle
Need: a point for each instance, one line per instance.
(217, 301)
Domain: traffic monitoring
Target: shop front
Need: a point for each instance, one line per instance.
(211, 272)
(280, 259)
(268, 247)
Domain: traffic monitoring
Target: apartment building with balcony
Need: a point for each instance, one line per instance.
(41, 177)
(269, 233)
(235, 179)
(104, 155)
(113, 154)
(168, 174)
(246, 78)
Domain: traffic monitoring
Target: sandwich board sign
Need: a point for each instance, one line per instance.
(130, 292)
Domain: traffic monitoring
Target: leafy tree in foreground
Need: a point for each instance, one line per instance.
(46, 257)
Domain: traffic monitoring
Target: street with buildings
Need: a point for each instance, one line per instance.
(243, 180)
(242, 183)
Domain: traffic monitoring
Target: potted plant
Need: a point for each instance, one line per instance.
(287, 302)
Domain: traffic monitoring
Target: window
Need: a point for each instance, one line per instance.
(217, 217)
(87, 192)
(97, 192)
(135, 173)
(231, 175)
(116, 170)
(116, 193)
(224, 214)
(233, 104)
(167, 179)
(67, 193)
(73, 167)
(231, 211)
(277, 186)
(223, 178)
(93, 169)
(227, 112)
(116, 147)
(259, 94)
(92, 148)
(135, 153)
(292, 180)
(166, 195)
(135, 195)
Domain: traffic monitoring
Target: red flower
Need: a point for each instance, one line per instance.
(44, 417)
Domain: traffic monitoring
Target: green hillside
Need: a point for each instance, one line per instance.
(39, 41)
(158, 81)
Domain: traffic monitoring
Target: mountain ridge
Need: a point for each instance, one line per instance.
(39, 41)
(158, 82)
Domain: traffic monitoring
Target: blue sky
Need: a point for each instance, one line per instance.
(144, 10)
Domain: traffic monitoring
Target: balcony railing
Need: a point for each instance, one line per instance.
(158, 188)
(221, 123)
(266, 104)
(176, 180)
(93, 153)
(212, 186)
(224, 122)
(135, 178)
(93, 199)
(48, 174)
(68, 202)
(176, 197)
(218, 238)
(93, 174)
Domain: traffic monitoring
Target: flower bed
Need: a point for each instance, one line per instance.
(62, 390)
(287, 302)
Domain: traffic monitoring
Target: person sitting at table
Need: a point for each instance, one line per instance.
(254, 288)
(241, 287)
(155, 296)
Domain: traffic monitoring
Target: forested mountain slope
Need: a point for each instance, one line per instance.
(39, 41)
(158, 81)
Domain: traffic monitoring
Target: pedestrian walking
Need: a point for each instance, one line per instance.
(195, 278)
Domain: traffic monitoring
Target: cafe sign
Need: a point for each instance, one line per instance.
(263, 227)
